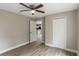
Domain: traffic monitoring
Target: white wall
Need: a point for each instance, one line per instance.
(14, 30)
(71, 28)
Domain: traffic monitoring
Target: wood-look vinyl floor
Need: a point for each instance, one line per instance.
(38, 49)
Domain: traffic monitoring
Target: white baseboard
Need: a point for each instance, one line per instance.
(49, 45)
(1, 52)
(32, 41)
(63, 48)
(11, 48)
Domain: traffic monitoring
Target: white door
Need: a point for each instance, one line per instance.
(59, 33)
(32, 31)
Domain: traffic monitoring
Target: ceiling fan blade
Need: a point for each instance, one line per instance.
(39, 6)
(40, 11)
(24, 5)
(24, 10)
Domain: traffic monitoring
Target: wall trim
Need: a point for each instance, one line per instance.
(75, 51)
(17, 46)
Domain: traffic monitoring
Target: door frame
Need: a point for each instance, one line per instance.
(29, 31)
(61, 17)
(43, 29)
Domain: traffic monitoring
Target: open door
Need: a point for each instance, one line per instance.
(33, 36)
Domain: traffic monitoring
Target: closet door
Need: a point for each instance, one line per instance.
(59, 32)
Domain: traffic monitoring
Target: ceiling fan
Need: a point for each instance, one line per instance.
(32, 8)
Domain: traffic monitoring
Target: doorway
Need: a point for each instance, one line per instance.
(36, 29)
(39, 30)
(33, 36)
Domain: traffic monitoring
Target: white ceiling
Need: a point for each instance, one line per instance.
(49, 8)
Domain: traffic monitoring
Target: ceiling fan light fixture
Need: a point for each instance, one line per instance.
(32, 11)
